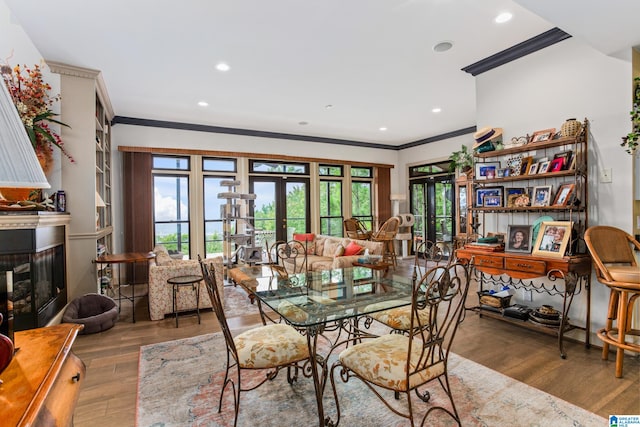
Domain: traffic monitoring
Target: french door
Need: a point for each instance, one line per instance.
(432, 204)
(281, 207)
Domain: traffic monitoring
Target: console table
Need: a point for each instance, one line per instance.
(565, 277)
(41, 385)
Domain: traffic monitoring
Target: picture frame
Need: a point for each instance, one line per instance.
(492, 201)
(553, 239)
(543, 167)
(541, 195)
(482, 169)
(567, 156)
(563, 196)
(512, 194)
(514, 164)
(519, 238)
(487, 191)
(556, 165)
(533, 169)
(543, 135)
(524, 166)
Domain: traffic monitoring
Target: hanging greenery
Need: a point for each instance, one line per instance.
(630, 142)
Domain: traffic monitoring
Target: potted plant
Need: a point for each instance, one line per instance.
(630, 141)
(462, 159)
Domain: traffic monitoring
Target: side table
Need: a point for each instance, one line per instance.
(177, 282)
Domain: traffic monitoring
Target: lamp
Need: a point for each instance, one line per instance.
(19, 166)
(99, 204)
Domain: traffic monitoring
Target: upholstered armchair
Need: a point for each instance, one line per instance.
(161, 293)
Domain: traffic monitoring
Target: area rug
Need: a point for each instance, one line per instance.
(179, 385)
(237, 303)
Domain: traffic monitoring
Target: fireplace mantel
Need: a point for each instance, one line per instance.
(32, 219)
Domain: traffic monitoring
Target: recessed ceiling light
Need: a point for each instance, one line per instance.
(503, 17)
(383, 128)
(436, 110)
(203, 103)
(222, 66)
(303, 123)
(442, 46)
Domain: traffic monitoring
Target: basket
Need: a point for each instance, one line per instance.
(494, 301)
(570, 128)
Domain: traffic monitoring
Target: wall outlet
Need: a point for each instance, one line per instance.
(527, 295)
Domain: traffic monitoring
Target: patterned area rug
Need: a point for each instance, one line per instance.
(179, 385)
(237, 303)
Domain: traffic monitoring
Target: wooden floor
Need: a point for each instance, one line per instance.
(108, 396)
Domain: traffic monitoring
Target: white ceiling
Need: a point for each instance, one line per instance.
(372, 60)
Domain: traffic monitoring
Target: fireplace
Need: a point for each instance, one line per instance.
(32, 266)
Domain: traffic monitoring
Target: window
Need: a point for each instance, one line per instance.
(281, 168)
(215, 170)
(331, 208)
(171, 212)
(361, 195)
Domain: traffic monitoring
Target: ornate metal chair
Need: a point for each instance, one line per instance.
(355, 229)
(427, 256)
(386, 234)
(413, 360)
(616, 267)
(271, 347)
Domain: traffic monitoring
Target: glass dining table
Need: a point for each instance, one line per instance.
(329, 300)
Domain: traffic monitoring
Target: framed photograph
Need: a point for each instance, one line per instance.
(482, 169)
(519, 238)
(501, 173)
(553, 238)
(567, 156)
(514, 164)
(543, 167)
(556, 165)
(564, 195)
(492, 201)
(543, 135)
(481, 193)
(533, 169)
(541, 195)
(524, 166)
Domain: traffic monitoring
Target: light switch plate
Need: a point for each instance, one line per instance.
(605, 175)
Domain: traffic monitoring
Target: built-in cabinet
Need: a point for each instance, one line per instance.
(509, 192)
(87, 182)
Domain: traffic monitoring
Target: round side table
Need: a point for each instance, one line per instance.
(194, 282)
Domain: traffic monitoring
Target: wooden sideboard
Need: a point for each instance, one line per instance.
(565, 276)
(41, 385)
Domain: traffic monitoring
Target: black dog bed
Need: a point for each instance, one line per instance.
(95, 311)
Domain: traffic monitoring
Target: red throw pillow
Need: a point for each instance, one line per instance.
(304, 237)
(309, 238)
(352, 249)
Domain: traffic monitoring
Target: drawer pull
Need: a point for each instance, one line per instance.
(76, 377)
(525, 265)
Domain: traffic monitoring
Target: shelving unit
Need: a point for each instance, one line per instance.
(564, 276)
(86, 108)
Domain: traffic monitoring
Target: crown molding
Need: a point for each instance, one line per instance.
(517, 51)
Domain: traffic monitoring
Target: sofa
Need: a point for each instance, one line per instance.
(328, 252)
(162, 268)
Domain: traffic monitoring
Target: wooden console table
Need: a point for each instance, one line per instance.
(41, 385)
(566, 277)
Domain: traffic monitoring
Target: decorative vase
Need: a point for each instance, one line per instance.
(570, 128)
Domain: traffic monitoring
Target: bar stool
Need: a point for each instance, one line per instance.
(386, 234)
(616, 267)
(177, 282)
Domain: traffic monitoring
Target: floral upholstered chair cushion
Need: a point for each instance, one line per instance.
(270, 346)
(398, 318)
(383, 361)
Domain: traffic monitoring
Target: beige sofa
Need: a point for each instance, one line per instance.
(327, 252)
(162, 268)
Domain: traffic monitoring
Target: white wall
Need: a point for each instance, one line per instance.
(540, 91)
